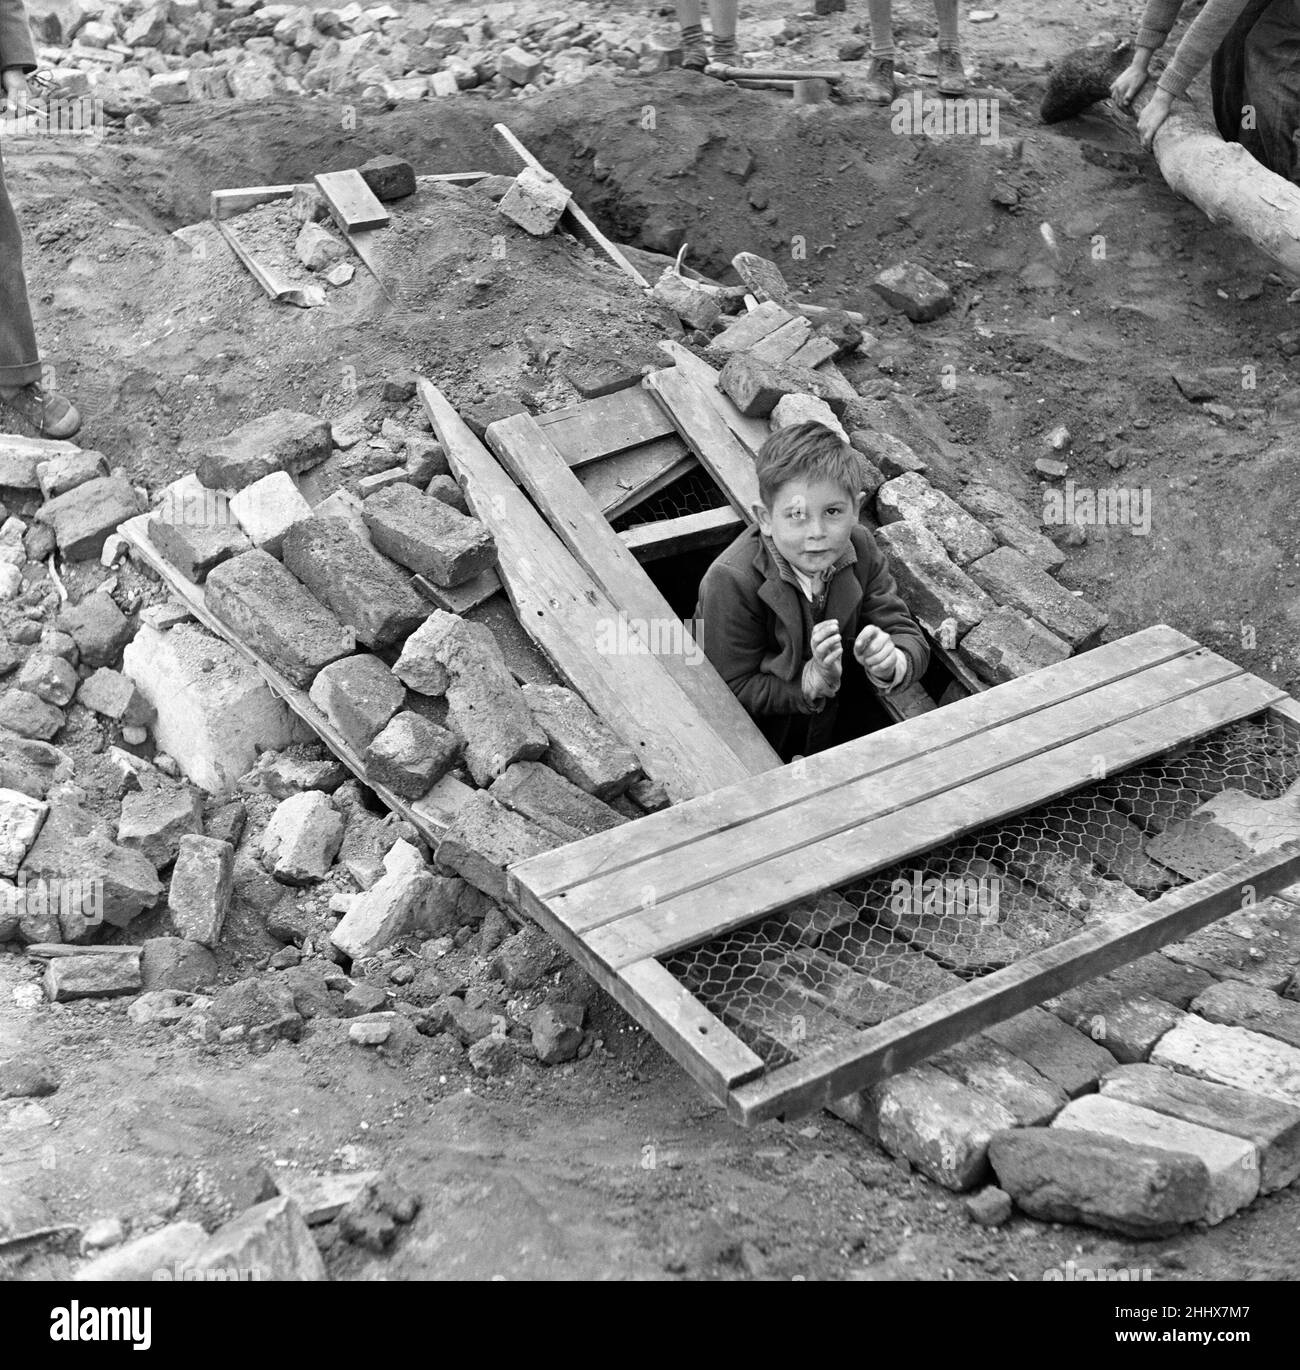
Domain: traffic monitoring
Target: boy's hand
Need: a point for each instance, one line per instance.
(822, 674)
(877, 654)
(1127, 84)
(1152, 117)
(16, 93)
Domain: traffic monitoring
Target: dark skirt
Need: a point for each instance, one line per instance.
(19, 362)
(1255, 80)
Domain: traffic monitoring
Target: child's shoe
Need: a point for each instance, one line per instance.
(879, 87)
(694, 55)
(952, 72)
(51, 414)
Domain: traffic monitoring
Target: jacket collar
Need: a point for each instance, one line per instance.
(781, 591)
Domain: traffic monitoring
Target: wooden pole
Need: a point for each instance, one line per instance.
(1226, 183)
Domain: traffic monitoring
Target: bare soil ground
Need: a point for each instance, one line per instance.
(614, 1167)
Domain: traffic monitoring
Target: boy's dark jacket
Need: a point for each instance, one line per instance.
(752, 628)
(15, 37)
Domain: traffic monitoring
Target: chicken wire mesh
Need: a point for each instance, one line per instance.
(814, 975)
(691, 493)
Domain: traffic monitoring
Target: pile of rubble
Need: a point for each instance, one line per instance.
(138, 56)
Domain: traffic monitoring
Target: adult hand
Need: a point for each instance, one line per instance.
(1153, 116)
(1127, 84)
(16, 92)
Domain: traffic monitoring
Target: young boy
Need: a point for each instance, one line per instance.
(778, 606)
(722, 17)
(20, 369)
(880, 75)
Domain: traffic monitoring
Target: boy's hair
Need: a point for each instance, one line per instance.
(810, 451)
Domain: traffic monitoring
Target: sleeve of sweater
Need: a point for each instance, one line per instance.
(883, 606)
(1157, 19)
(16, 48)
(1204, 35)
(733, 633)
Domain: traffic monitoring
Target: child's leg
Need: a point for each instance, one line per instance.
(722, 19)
(946, 12)
(879, 15)
(688, 17)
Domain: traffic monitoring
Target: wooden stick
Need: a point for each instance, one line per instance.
(1226, 183)
(574, 215)
(727, 73)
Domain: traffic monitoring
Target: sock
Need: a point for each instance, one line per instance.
(947, 15)
(692, 34)
(885, 52)
(724, 48)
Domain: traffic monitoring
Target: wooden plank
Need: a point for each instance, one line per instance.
(527, 455)
(459, 599)
(620, 483)
(222, 204)
(713, 1056)
(455, 178)
(751, 433)
(883, 755)
(765, 885)
(431, 815)
(746, 330)
(568, 616)
(677, 870)
(605, 426)
(779, 346)
(709, 437)
(574, 217)
(305, 297)
(916, 1034)
(353, 204)
(671, 537)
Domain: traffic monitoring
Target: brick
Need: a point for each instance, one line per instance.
(913, 498)
(358, 695)
(358, 584)
(517, 66)
(427, 536)
(267, 508)
(1272, 1128)
(932, 585)
(1259, 945)
(401, 899)
(536, 202)
(68, 470)
(537, 792)
(941, 1126)
(178, 964)
(201, 885)
(755, 386)
(1058, 1175)
(1247, 1006)
(194, 528)
(1062, 1054)
(892, 455)
(390, 178)
(172, 87)
(1231, 1163)
(449, 492)
(153, 822)
(83, 517)
(23, 713)
(580, 746)
(997, 1074)
(302, 839)
(115, 696)
(1007, 644)
(270, 1238)
(410, 755)
(485, 838)
(794, 409)
(21, 817)
(213, 710)
(49, 678)
(1127, 1023)
(92, 977)
(280, 441)
(276, 616)
(919, 293)
(1231, 1056)
(696, 306)
(1010, 524)
(307, 205)
(1012, 579)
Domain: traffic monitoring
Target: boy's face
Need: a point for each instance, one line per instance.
(810, 522)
